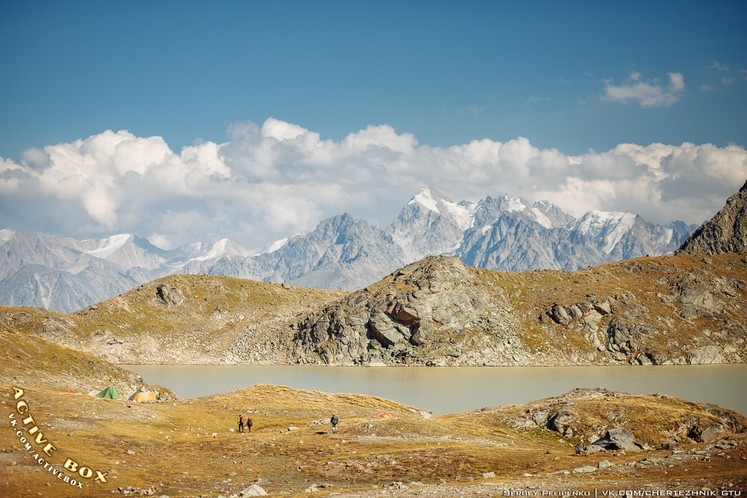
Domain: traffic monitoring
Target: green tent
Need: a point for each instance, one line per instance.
(108, 393)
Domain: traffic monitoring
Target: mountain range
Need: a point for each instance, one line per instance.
(502, 232)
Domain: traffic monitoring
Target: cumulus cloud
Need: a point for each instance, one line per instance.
(273, 180)
(646, 93)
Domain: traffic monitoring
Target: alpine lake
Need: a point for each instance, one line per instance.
(443, 390)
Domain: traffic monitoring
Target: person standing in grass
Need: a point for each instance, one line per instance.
(241, 423)
(334, 421)
(249, 423)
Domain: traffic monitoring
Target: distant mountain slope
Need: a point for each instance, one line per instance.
(57, 274)
(342, 252)
(725, 232)
(430, 223)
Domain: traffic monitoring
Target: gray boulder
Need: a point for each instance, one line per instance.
(170, 296)
(618, 439)
(253, 490)
(706, 434)
(561, 422)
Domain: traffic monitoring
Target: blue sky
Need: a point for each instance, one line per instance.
(447, 72)
(574, 77)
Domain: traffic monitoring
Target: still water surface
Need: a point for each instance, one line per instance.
(460, 389)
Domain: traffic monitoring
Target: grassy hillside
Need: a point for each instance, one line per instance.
(211, 314)
(680, 309)
(30, 360)
(677, 304)
(190, 448)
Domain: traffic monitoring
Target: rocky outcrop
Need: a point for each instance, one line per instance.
(428, 313)
(562, 422)
(599, 420)
(170, 296)
(628, 326)
(725, 232)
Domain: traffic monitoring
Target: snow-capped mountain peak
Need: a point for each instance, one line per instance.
(509, 204)
(434, 200)
(595, 222)
(501, 232)
(222, 248)
(108, 246)
(547, 212)
(512, 204)
(429, 198)
(611, 226)
(5, 235)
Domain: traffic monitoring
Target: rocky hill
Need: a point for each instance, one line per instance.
(725, 232)
(683, 309)
(184, 319)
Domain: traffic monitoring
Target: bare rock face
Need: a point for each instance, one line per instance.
(725, 232)
(426, 314)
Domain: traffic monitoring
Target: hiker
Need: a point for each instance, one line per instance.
(334, 420)
(249, 424)
(241, 423)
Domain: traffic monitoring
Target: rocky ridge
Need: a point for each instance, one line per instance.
(675, 310)
(725, 232)
(430, 313)
(607, 421)
(684, 309)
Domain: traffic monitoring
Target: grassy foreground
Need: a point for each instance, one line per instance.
(191, 447)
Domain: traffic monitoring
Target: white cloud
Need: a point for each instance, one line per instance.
(676, 82)
(280, 130)
(719, 75)
(647, 93)
(272, 181)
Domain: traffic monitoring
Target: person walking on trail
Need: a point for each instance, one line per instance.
(241, 423)
(249, 424)
(334, 421)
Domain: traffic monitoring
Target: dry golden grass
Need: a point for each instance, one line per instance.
(242, 302)
(190, 448)
(28, 359)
